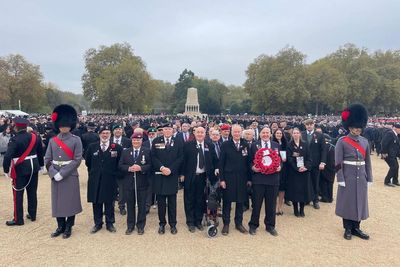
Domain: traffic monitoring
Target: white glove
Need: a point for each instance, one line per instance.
(42, 170)
(369, 184)
(342, 184)
(58, 177)
(216, 172)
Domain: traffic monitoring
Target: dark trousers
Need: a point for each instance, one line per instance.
(18, 195)
(108, 211)
(349, 224)
(195, 200)
(314, 173)
(393, 170)
(226, 212)
(326, 188)
(64, 222)
(121, 201)
(140, 220)
(269, 194)
(150, 197)
(162, 209)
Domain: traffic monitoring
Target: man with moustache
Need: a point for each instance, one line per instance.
(199, 164)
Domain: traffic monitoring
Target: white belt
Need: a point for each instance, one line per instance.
(354, 163)
(27, 158)
(61, 163)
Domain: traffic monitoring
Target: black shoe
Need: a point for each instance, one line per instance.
(111, 228)
(57, 232)
(360, 234)
(396, 183)
(200, 227)
(347, 234)
(161, 230)
(129, 230)
(241, 229)
(30, 218)
(14, 223)
(296, 211)
(316, 205)
(252, 231)
(174, 231)
(95, 229)
(192, 229)
(272, 231)
(67, 233)
(147, 210)
(225, 229)
(301, 214)
(122, 211)
(390, 184)
(140, 231)
(324, 200)
(287, 203)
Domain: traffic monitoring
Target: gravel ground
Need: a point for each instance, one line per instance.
(314, 240)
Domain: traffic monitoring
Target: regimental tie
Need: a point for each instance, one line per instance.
(238, 146)
(168, 143)
(309, 137)
(217, 148)
(201, 157)
(103, 147)
(136, 154)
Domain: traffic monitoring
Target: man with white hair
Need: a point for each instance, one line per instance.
(234, 177)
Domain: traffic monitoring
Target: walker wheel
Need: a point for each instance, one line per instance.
(212, 231)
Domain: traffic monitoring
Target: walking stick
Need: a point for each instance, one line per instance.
(136, 197)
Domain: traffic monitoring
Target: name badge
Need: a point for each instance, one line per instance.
(206, 149)
(114, 154)
(160, 146)
(283, 154)
(300, 162)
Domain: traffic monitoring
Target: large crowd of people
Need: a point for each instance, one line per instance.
(137, 161)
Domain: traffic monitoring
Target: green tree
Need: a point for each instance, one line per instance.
(117, 80)
(276, 84)
(21, 81)
(184, 82)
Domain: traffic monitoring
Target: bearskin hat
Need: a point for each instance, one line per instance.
(64, 116)
(356, 115)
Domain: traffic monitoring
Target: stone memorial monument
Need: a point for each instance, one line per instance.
(192, 107)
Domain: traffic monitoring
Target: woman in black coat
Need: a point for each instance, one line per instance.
(280, 138)
(299, 187)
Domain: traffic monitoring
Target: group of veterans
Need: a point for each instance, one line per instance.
(138, 168)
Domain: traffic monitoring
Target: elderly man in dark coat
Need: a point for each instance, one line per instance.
(167, 158)
(234, 178)
(62, 159)
(102, 160)
(353, 165)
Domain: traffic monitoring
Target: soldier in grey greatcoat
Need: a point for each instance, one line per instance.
(62, 159)
(354, 172)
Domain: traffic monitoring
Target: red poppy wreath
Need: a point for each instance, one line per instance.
(267, 160)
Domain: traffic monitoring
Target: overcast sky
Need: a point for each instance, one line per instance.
(216, 39)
